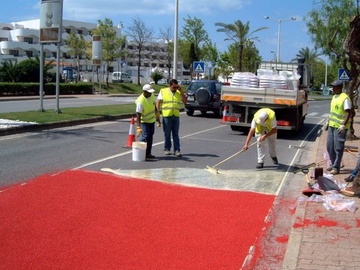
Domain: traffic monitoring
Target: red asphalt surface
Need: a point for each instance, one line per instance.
(90, 220)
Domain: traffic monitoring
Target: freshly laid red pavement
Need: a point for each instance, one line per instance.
(88, 220)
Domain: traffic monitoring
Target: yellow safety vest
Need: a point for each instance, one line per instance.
(271, 116)
(170, 102)
(337, 112)
(148, 114)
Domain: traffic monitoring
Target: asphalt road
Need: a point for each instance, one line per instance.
(204, 142)
(49, 103)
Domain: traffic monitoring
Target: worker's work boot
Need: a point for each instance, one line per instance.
(260, 165)
(275, 160)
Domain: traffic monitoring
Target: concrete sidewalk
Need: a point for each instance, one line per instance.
(326, 239)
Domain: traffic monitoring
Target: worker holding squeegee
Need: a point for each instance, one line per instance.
(264, 126)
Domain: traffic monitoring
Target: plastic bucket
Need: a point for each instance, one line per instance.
(139, 151)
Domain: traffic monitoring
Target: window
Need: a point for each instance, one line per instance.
(14, 52)
(28, 40)
(29, 53)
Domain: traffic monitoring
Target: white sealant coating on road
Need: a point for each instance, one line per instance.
(245, 180)
(5, 123)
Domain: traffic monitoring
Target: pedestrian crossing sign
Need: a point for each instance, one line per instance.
(343, 75)
(199, 67)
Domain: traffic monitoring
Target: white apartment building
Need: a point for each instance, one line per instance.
(20, 40)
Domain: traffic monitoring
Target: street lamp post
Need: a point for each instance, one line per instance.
(279, 21)
(175, 62)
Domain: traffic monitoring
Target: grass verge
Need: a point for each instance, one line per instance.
(70, 114)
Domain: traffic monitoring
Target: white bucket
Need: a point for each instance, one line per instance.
(139, 151)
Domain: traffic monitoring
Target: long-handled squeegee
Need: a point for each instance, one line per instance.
(213, 169)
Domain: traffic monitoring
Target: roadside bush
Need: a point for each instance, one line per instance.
(32, 89)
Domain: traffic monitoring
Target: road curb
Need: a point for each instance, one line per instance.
(31, 128)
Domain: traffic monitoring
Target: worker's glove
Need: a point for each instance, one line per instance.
(158, 123)
(326, 126)
(138, 131)
(341, 129)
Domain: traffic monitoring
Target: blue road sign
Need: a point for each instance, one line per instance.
(199, 67)
(343, 75)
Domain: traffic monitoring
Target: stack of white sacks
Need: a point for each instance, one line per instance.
(267, 79)
(245, 79)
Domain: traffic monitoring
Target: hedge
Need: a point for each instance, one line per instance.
(32, 89)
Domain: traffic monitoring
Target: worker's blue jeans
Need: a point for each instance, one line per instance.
(356, 169)
(147, 135)
(335, 145)
(171, 125)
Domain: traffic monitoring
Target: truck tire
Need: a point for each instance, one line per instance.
(203, 96)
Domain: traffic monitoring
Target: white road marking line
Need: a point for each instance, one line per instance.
(317, 115)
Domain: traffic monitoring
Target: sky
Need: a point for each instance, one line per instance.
(160, 14)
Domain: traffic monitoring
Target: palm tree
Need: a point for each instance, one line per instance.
(10, 70)
(238, 33)
(310, 58)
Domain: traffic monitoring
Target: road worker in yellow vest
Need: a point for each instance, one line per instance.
(264, 126)
(338, 125)
(146, 115)
(169, 103)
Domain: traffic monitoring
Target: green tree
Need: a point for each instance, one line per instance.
(251, 57)
(30, 69)
(334, 27)
(239, 33)
(193, 36)
(141, 36)
(10, 71)
(110, 43)
(311, 58)
(77, 49)
(224, 67)
(211, 54)
(156, 75)
(166, 34)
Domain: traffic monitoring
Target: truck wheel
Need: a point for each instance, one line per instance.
(203, 96)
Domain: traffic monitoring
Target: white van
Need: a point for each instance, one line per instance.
(119, 77)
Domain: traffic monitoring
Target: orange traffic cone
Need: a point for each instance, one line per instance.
(132, 133)
(225, 118)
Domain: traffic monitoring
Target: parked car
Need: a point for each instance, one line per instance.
(161, 81)
(119, 77)
(204, 96)
(184, 82)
